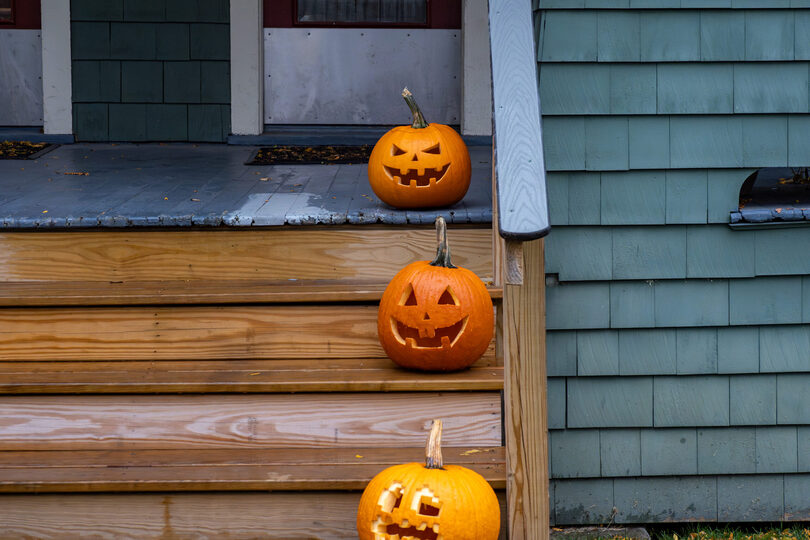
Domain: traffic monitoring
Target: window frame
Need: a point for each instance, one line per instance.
(10, 21)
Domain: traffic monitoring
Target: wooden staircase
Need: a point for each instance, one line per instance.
(199, 383)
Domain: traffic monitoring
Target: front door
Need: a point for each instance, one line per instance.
(345, 62)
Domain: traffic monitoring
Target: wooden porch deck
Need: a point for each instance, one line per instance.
(183, 185)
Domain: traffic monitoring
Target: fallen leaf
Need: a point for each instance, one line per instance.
(165, 198)
(44, 211)
(358, 456)
(196, 200)
(264, 178)
(471, 452)
(254, 373)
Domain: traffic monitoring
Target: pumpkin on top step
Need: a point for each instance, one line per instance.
(431, 501)
(419, 166)
(435, 316)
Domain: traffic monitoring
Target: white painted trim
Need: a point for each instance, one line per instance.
(247, 67)
(57, 110)
(476, 77)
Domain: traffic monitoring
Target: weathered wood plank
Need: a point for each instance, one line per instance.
(146, 516)
(525, 411)
(104, 293)
(218, 470)
(520, 169)
(310, 375)
(373, 253)
(249, 421)
(190, 332)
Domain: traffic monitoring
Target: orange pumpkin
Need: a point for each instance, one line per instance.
(431, 501)
(434, 316)
(419, 166)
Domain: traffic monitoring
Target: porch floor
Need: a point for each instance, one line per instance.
(182, 185)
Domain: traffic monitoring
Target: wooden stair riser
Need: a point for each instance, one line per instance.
(246, 421)
(189, 332)
(236, 516)
(364, 254)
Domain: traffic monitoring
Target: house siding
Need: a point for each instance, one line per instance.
(677, 348)
(150, 71)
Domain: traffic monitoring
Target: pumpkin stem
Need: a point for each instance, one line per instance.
(442, 249)
(419, 121)
(433, 450)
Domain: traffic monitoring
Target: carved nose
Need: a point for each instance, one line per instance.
(426, 317)
(415, 158)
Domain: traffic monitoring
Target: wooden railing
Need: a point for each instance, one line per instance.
(521, 211)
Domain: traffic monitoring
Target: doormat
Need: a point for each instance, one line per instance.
(23, 149)
(303, 155)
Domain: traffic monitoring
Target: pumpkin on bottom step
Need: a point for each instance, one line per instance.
(429, 502)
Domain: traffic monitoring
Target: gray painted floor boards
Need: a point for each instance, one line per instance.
(180, 185)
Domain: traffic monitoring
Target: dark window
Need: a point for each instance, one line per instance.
(774, 194)
(362, 11)
(7, 11)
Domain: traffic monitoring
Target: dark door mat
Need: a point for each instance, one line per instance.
(24, 149)
(302, 155)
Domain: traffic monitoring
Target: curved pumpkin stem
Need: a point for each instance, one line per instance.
(419, 121)
(433, 450)
(442, 249)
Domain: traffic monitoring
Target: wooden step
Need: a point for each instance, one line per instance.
(189, 332)
(367, 253)
(221, 376)
(118, 293)
(206, 421)
(223, 470)
(321, 515)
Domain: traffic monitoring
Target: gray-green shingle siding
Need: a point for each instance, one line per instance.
(153, 70)
(678, 348)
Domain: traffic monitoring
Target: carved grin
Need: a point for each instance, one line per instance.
(428, 337)
(396, 531)
(416, 177)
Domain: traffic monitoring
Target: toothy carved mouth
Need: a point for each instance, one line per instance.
(395, 532)
(417, 177)
(428, 338)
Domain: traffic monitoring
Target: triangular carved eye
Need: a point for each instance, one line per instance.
(408, 298)
(448, 298)
(435, 149)
(396, 150)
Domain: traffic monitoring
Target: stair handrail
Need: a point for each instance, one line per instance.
(522, 204)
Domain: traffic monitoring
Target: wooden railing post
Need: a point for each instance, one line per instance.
(524, 350)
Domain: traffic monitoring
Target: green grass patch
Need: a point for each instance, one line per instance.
(734, 532)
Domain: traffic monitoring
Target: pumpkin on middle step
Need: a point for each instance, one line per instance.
(435, 316)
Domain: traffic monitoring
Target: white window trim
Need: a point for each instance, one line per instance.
(247, 67)
(57, 108)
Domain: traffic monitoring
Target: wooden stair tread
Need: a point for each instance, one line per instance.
(117, 293)
(315, 375)
(279, 469)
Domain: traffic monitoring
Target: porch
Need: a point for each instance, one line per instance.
(183, 185)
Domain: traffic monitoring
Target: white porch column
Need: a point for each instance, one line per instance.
(247, 67)
(476, 79)
(57, 110)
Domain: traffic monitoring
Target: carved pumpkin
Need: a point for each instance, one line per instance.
(429, 502)
(419, 166)
(434, 316)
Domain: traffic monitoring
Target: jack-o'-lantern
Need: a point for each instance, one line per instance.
(419, 166)
(428, 502)
(435, 316)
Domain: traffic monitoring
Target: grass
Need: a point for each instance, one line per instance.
(733, 532)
